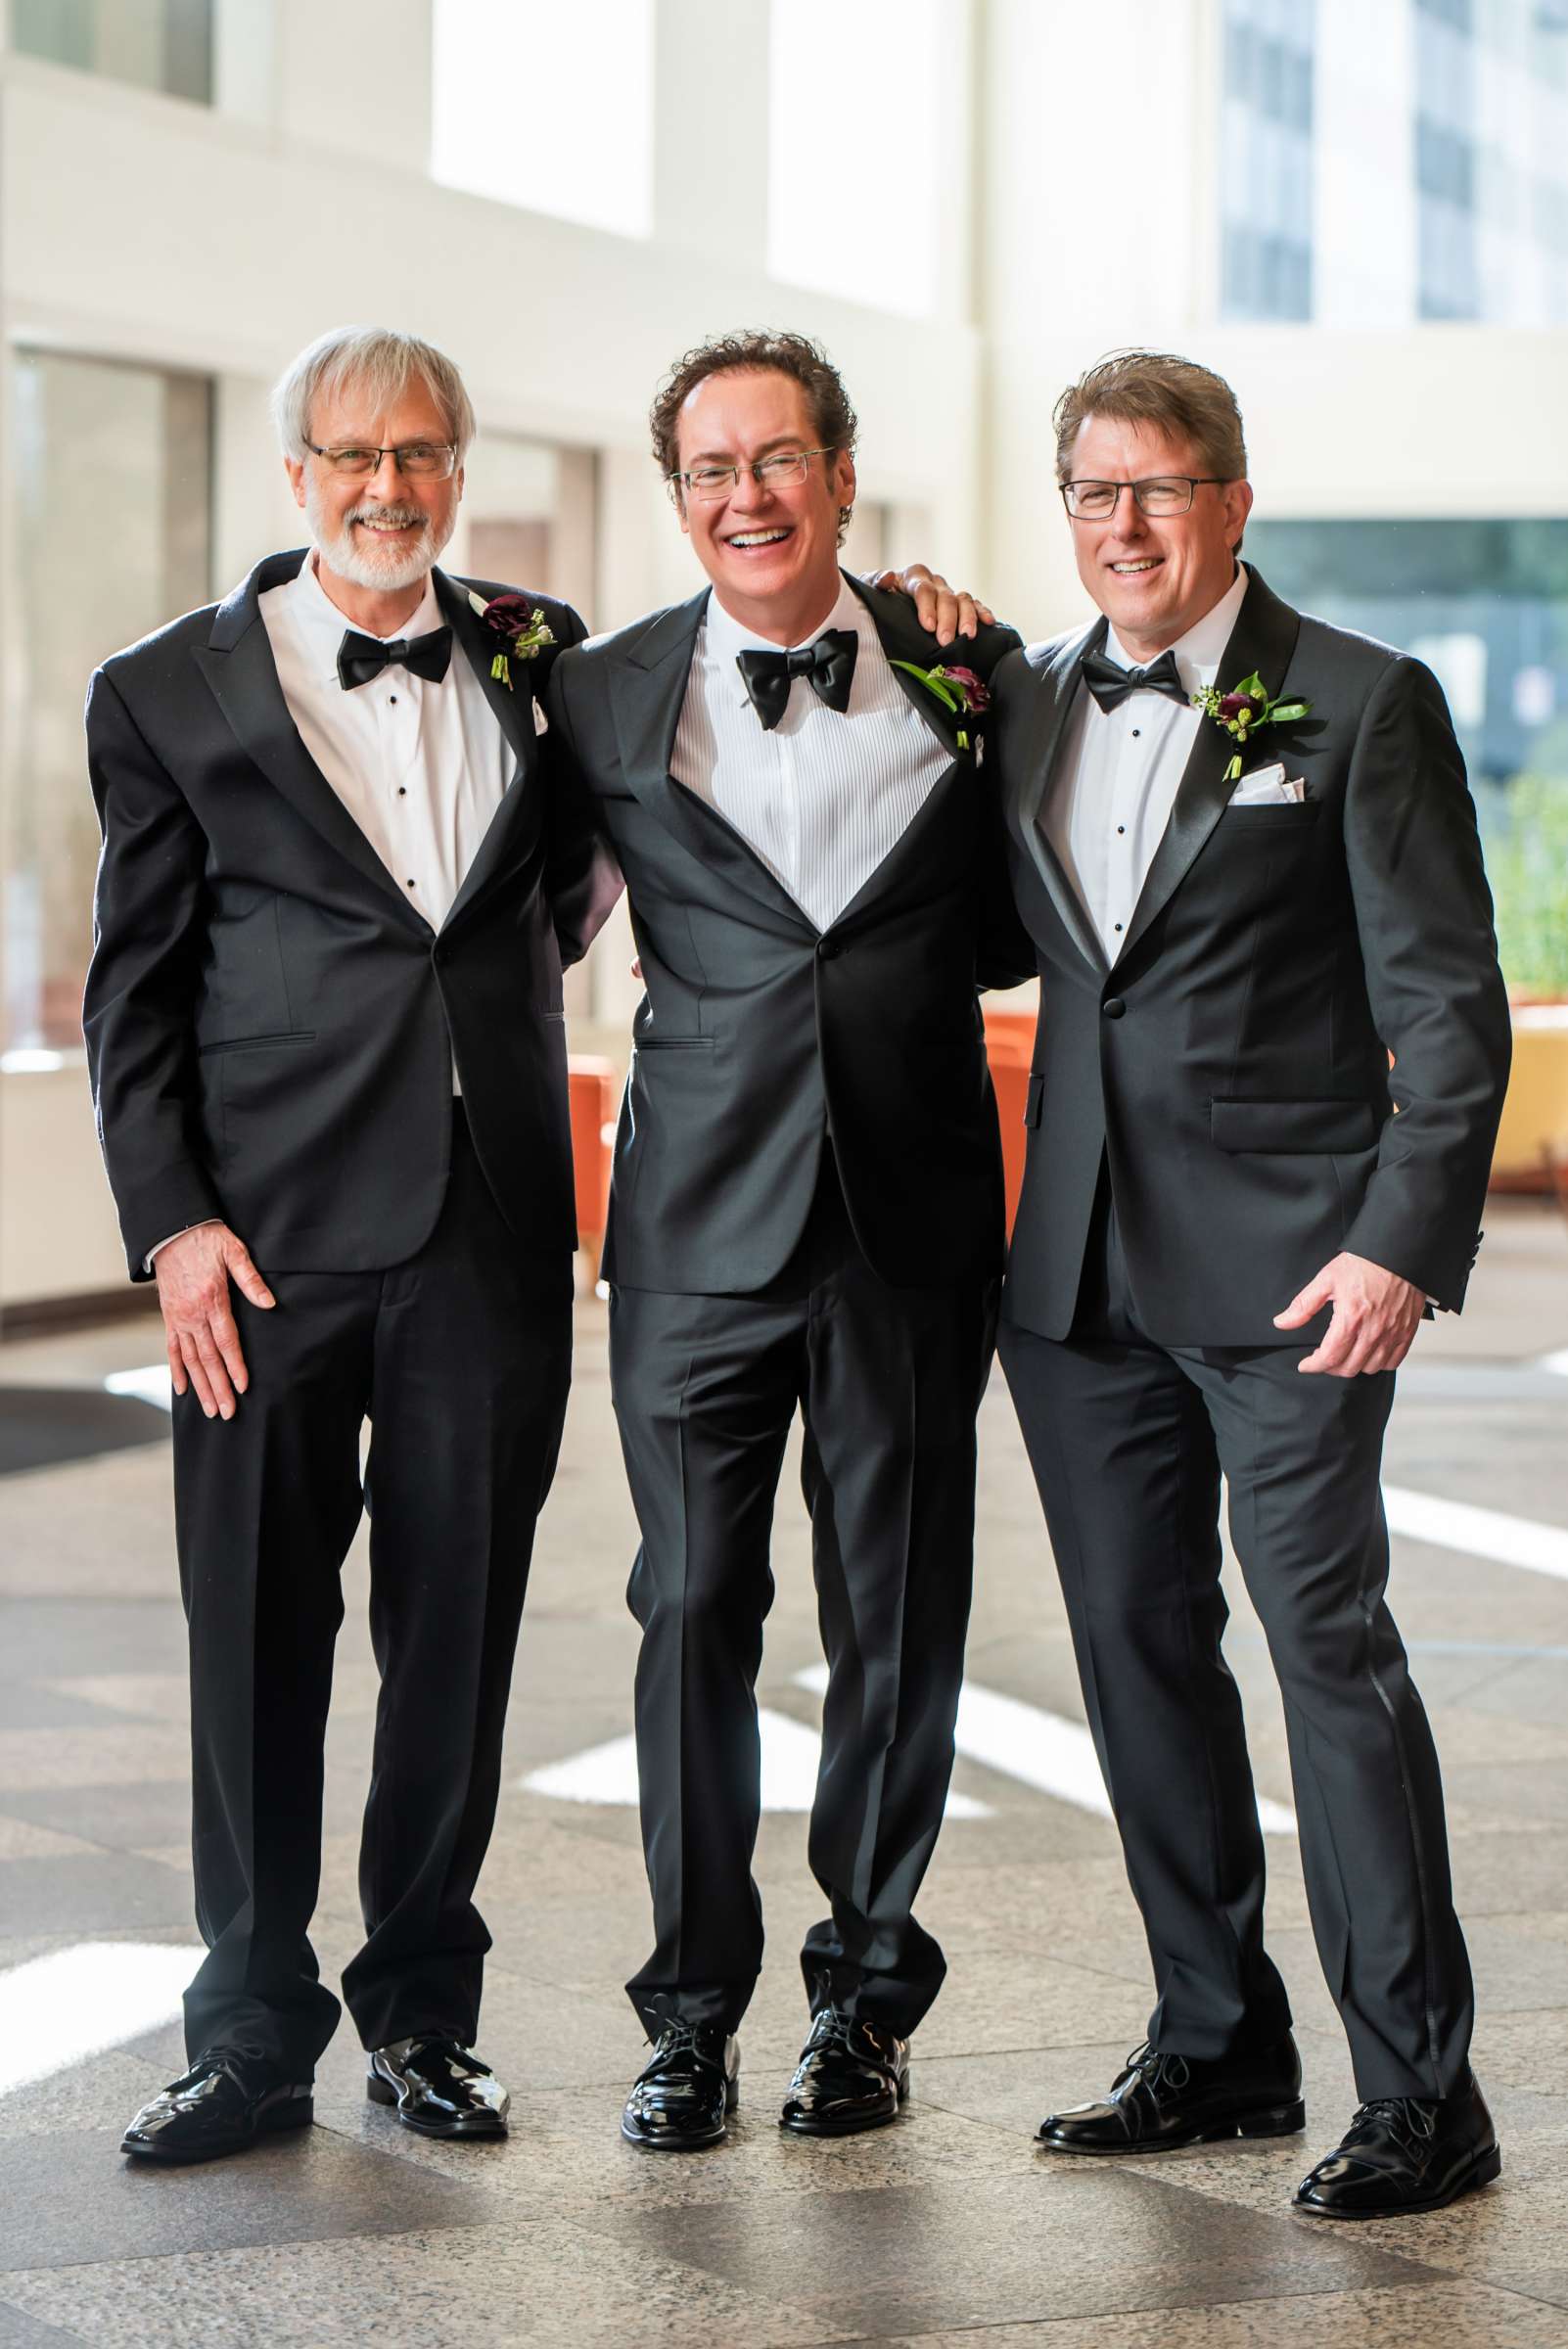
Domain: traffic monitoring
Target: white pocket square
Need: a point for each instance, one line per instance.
(1267, 787)
(541, 724)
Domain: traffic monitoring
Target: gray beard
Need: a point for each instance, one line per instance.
(360, 564)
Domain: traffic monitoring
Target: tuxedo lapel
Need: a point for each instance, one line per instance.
(1053, 703)
(1264, 639)
(903, 638)
(238, 667)
(513, 705)
(647, 689)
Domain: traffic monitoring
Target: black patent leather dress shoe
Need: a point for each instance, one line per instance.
(1402, 2154)
(225, 2103)
(684, 2092)
(1162, 2101)
(440, 2088)
(852, 2075)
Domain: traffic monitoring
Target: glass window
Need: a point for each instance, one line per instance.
(1484, 604)
(550, 109)
(106, 456)
(156, 44)
(1268, 157)
(832, 223)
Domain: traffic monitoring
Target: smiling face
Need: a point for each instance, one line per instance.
(1154, 576)
(771, 552)
(380, 532)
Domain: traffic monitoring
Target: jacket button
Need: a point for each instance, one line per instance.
(1113, 1007)
(827, 949)
(439, 955)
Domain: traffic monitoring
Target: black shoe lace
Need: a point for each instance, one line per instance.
(678, 2039)
(1410, 2121)
(1159, 2071)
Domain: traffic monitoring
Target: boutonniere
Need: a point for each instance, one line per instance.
(1242, 710)
(959, 689)
(521, 626)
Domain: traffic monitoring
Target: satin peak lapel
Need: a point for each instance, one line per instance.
(1264, 639)
(647, 689)
(1058, 686)
(513, 705)
(238, 667)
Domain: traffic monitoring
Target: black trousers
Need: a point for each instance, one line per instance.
(888, 1382)
(1127, 1441)
(460, 1358)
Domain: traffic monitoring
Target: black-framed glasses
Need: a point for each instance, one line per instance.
(781, 472)
(423, 460)
(1160, 494)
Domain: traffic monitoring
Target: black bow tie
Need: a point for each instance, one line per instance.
(361, 658)
(1110, 685)
(828, 665)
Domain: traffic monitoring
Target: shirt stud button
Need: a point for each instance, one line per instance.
(402, 791)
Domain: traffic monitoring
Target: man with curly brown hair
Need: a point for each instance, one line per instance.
(806, 1213)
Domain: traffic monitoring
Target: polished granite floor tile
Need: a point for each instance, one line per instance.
(70, 2200)
(1423, 2316)
(539, 2282)
(95, 1892)
(19, 2330)
(916, 2260)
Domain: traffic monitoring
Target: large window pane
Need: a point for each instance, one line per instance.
(852, 96)
(157, 44)
(112, 503)
(1484, 604)
(549, 109)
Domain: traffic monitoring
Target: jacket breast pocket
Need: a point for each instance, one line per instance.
(1335, 1125)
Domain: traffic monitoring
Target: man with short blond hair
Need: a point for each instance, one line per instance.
(325, 1031)
(1243, 846)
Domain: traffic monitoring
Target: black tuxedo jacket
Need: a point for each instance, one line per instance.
(758, 1034)
(1234, 1061)
(270, 1026)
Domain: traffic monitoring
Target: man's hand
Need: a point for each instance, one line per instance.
(1376, 1314)
(194, 1273)
(944, 612)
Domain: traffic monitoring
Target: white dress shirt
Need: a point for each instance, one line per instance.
(1117, 776)
(420, 767)
(825, 796)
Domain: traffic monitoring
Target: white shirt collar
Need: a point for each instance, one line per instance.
(1199, 653)
(725, 636)
(322, 625)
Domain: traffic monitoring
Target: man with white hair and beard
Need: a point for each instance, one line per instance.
(325, 1030)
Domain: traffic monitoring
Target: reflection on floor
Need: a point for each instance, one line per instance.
(944, 2229)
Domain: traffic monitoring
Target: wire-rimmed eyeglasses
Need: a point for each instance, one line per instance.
(781, 472)
(424, 460)
(1160, 494)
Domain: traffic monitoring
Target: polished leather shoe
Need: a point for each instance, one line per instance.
(440, 2088)
(1402, 2154)
(852, 2075)
(1162, 2101)
(684, 2092)
(223, 2104)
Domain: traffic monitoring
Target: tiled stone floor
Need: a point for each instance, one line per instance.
(944, 2229)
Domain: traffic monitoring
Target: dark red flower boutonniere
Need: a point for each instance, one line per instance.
(1242, 710)
(521, 626)
(958, 689)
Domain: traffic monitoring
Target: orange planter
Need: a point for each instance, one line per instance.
(591, 1086)
(1010, 1047)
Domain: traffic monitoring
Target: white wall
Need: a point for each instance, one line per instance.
(223, 240)
(1097, 225)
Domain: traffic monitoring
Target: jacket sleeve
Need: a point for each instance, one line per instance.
(1004, 951)
(1424, 916)
(581, 875)
(142, 984)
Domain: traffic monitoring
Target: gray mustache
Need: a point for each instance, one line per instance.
(397, 517)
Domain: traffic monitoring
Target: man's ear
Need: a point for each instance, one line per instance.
(1238, 505)
(294, 467)
(843, 480)
(677, 500)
